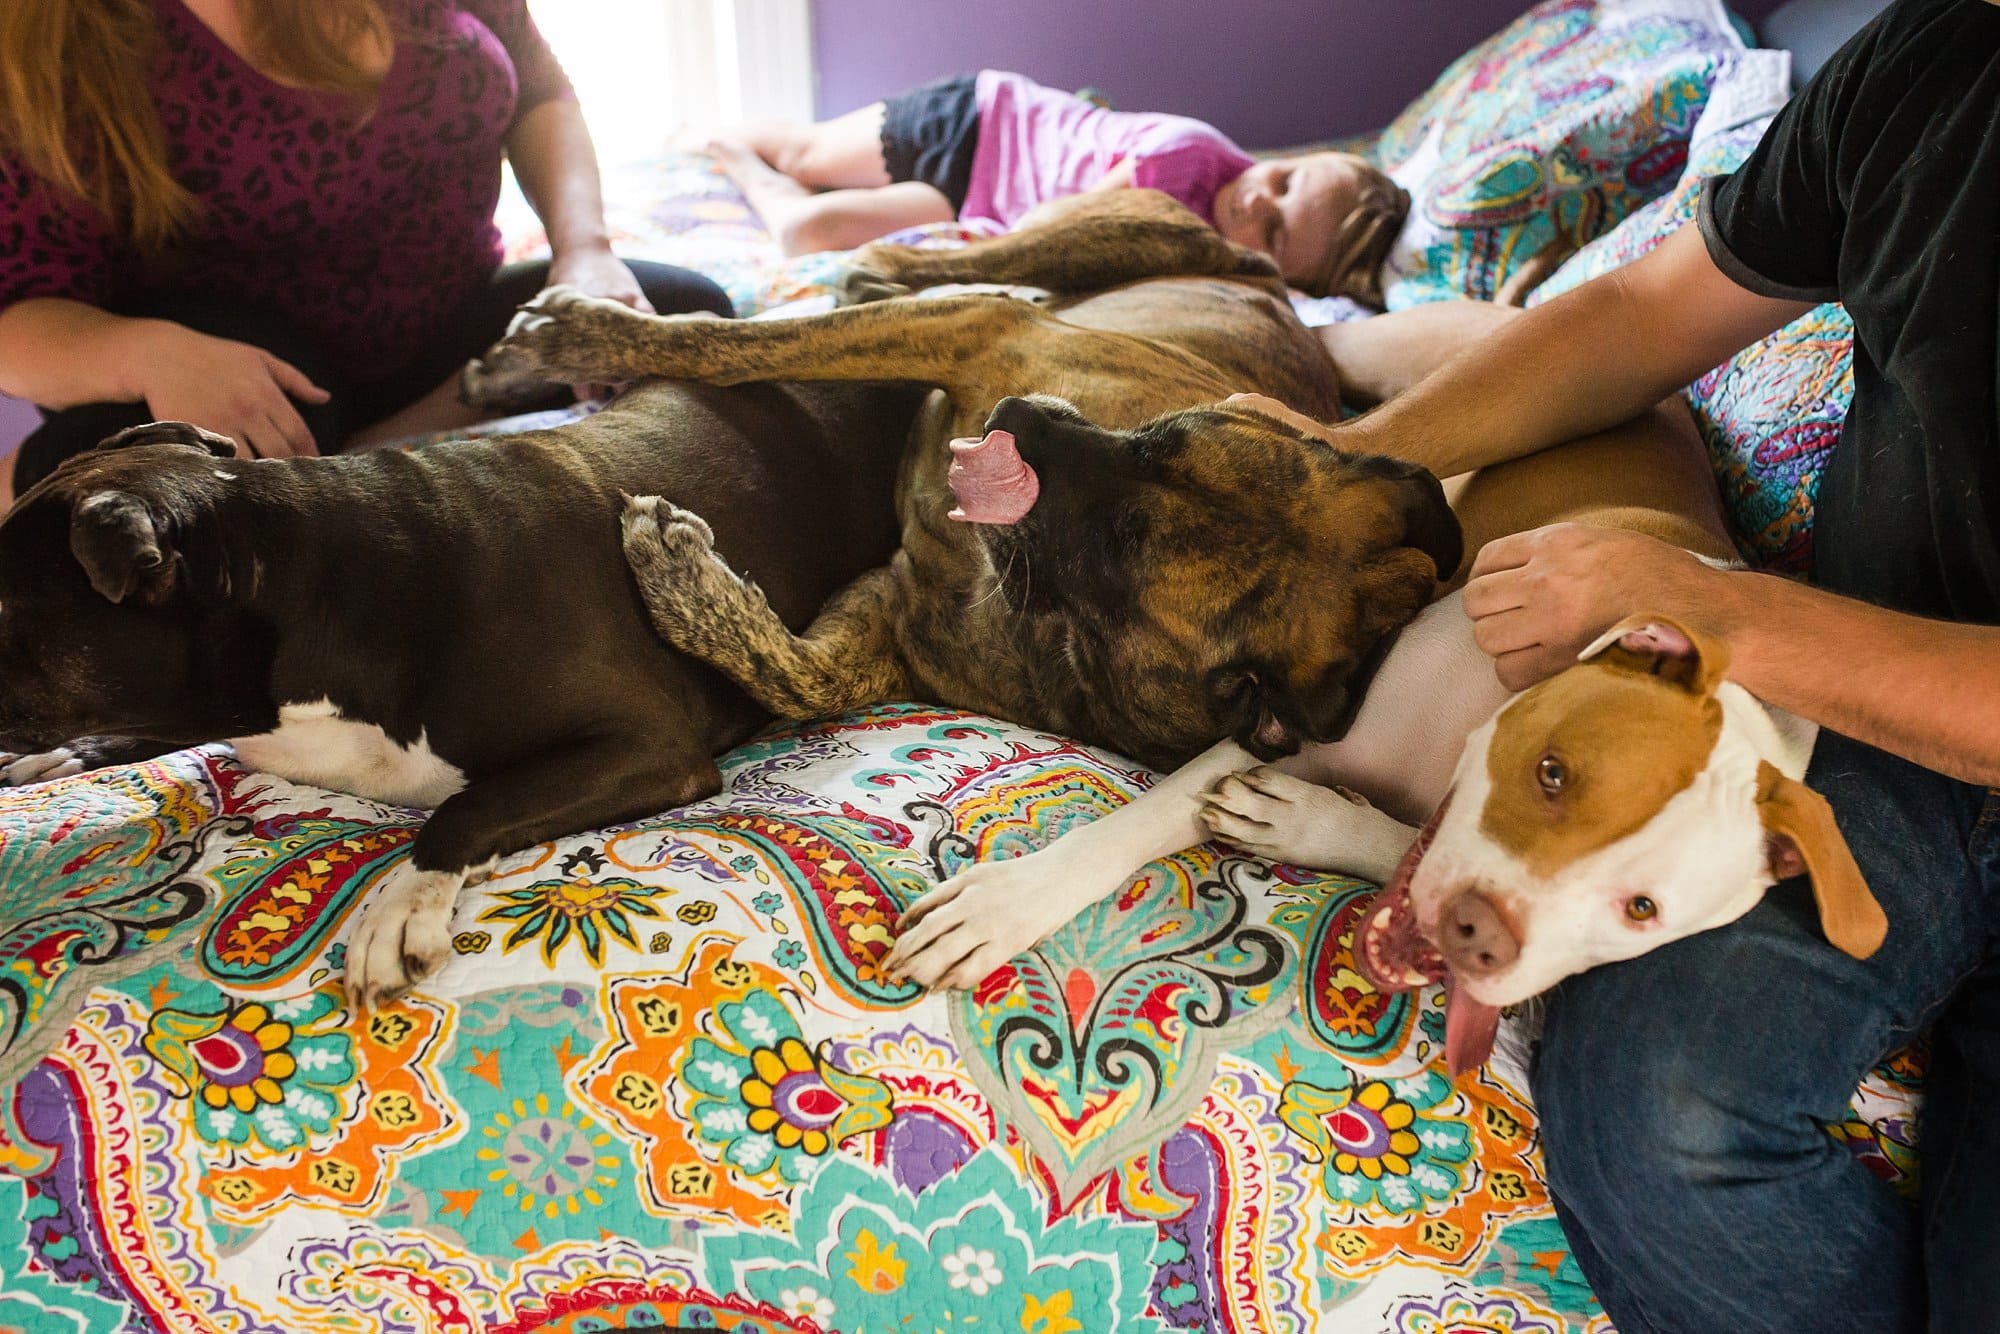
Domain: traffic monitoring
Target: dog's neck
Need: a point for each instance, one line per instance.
(1784, 739)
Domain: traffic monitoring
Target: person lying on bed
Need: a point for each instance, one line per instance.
(995, 145)
(274, 218)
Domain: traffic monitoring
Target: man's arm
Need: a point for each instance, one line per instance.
(1926, 690)
(1586, 361)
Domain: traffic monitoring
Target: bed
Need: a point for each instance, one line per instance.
(662, 1083)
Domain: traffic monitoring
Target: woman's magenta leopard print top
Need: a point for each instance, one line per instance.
(366, 232)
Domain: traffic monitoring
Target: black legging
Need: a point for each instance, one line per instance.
(479, 320)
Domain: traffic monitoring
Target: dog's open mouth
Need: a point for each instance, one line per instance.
(1393, 954)
(990, 480)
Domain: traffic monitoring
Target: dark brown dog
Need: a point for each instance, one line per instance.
(1143, 567)
(451, 627)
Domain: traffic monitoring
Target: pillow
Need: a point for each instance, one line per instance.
(1771, 414)
(1559, 126)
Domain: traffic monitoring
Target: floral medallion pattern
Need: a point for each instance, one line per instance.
(661, 1084)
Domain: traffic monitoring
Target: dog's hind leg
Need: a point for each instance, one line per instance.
(1093, 242)
(404, 935)
(845, 659)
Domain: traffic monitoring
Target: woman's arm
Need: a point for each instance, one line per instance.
(60, 353)
(1926, 690)
(557, 167)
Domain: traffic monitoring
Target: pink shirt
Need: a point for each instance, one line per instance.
(1037, 144)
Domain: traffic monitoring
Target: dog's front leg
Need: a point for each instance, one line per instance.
(404, 935)
(1283, 818)
(986, 914)
(74, 757)
(846, 658)
(565, 337)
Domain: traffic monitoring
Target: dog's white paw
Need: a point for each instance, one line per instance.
(1285, 819)
(976, 921)
(21, 770)
(404, 935)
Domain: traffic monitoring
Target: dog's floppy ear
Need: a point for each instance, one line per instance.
(172, 433)
(1428, 523)
(1656, 646)
(114, 537)
(1804, 840)
(1318, 705)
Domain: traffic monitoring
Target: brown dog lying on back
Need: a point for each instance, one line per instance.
(1132, 563)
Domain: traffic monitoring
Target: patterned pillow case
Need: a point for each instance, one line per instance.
(1559, 126)
(1772, 413)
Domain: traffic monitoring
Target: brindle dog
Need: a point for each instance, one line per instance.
(1187, 570)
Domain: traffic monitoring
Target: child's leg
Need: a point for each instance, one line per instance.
(840, 154)
(803, 222)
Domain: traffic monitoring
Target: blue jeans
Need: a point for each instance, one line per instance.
(1684, 1094)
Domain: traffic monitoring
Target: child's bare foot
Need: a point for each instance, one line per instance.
(751, 173)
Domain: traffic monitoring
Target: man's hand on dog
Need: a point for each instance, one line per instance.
(1538, 598)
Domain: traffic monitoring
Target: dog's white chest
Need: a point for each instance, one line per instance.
(314, 744)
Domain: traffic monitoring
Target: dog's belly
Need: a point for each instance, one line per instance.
(314, 744)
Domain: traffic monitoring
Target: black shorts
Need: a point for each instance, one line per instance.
(929, 134)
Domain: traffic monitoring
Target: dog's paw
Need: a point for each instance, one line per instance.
(45, 767)
(552, 341)
(404, 935)
(970, 925)
(1285, 819)
(859, 284)
(684, 582)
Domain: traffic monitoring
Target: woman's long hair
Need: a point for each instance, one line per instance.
(76, 105)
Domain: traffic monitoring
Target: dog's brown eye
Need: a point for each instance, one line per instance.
(1552, 775)
(1641, 909)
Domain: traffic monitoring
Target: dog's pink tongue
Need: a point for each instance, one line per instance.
(1469, 1029)
(991, 481)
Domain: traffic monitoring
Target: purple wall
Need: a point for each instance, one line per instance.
(1267, 72)
(16, 420)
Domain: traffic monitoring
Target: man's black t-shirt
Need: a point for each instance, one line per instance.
(1879, 186)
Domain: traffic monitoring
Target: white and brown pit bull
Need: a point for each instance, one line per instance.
(1632, 800)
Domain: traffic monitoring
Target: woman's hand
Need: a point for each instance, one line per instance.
(228, 387)
(595, 271)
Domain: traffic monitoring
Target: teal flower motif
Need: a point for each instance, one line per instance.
(554, 910)
(789, 954)
(772, 1105)
(1376, 1142)
(975, 1249)
(279, 1072)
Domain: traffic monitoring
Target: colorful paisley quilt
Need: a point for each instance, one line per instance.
(663, 1083)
